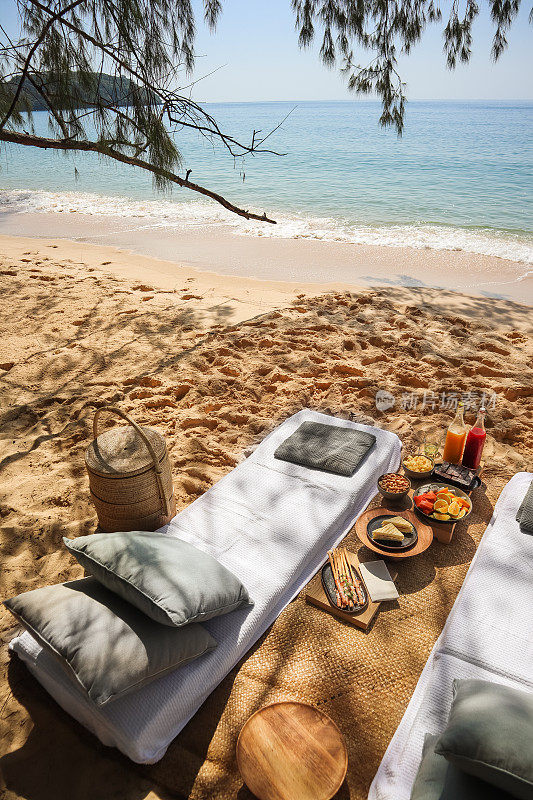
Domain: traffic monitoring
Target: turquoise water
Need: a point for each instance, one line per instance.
(460, 178)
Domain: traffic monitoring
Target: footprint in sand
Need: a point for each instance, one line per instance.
(160, 402)
(229, 370)
(516, 337)
(235, 418)
(493, 347)
(199, 422)
(142, 287)
(346, 369)
(193, 472)
(179, 392)
(152, 382)
(374, 359)
(140, 394)
(514, 392)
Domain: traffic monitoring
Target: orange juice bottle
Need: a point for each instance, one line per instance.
(455, 438)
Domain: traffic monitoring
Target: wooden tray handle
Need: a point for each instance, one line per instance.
(155, 462)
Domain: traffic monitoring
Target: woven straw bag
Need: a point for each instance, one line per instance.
(129, 476)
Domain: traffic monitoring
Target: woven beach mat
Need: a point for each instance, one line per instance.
(364, 681)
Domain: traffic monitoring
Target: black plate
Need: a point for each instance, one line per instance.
(409, 539)
(328, 583)
(433, 487)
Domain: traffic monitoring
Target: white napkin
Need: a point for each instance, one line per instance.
(378, 581)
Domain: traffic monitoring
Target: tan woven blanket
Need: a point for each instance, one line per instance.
(362, 680)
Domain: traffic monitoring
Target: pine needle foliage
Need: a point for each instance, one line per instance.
(67, 48)
(386, 29)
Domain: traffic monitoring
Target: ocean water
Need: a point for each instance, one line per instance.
(461, 177)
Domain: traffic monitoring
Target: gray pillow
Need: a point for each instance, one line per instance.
(171, 581)
(524, 514)
(490, 735)
(437, 779)
(106, 644)
(331, 448)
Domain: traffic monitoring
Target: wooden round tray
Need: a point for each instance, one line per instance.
(425, 533)
(291, 751)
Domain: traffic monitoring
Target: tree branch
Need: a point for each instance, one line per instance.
(95, 147)
(30, 55)
(167, 99)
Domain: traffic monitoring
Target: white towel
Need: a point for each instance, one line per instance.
(269, 522)
(378, 581)
(487, 636)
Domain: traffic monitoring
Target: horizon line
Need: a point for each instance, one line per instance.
(368, 100)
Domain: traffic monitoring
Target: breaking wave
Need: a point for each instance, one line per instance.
(513, 245)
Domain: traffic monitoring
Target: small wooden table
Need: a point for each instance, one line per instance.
(442, 531)
(291, 751)
(425, 532)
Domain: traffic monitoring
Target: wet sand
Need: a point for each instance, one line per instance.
(218, 249)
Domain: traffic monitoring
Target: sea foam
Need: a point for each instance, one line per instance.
(512, 245)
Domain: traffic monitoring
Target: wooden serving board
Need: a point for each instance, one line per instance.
(291, 751)
(316, 596)
(425, 533)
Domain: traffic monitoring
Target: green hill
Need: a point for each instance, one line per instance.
(84, 92)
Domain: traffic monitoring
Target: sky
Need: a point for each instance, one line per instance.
(257, 50)
(256, 56)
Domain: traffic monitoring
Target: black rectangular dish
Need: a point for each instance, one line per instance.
(457, 475)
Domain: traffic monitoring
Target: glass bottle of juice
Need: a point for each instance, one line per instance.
(455, 438)
(475, 442)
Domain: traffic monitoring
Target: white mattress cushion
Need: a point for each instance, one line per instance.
(270, 523)
(488, 635)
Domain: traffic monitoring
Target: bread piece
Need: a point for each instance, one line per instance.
(388, 533)
(401, 524)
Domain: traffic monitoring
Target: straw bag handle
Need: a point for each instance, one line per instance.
(155, 461)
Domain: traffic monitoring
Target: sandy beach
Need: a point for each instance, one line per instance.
(215, 360)
(261, 255)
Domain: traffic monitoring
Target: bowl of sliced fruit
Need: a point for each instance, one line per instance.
(418, 467)
(438, 502)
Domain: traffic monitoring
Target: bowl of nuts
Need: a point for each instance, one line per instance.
(419, 466)
(393, 486)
